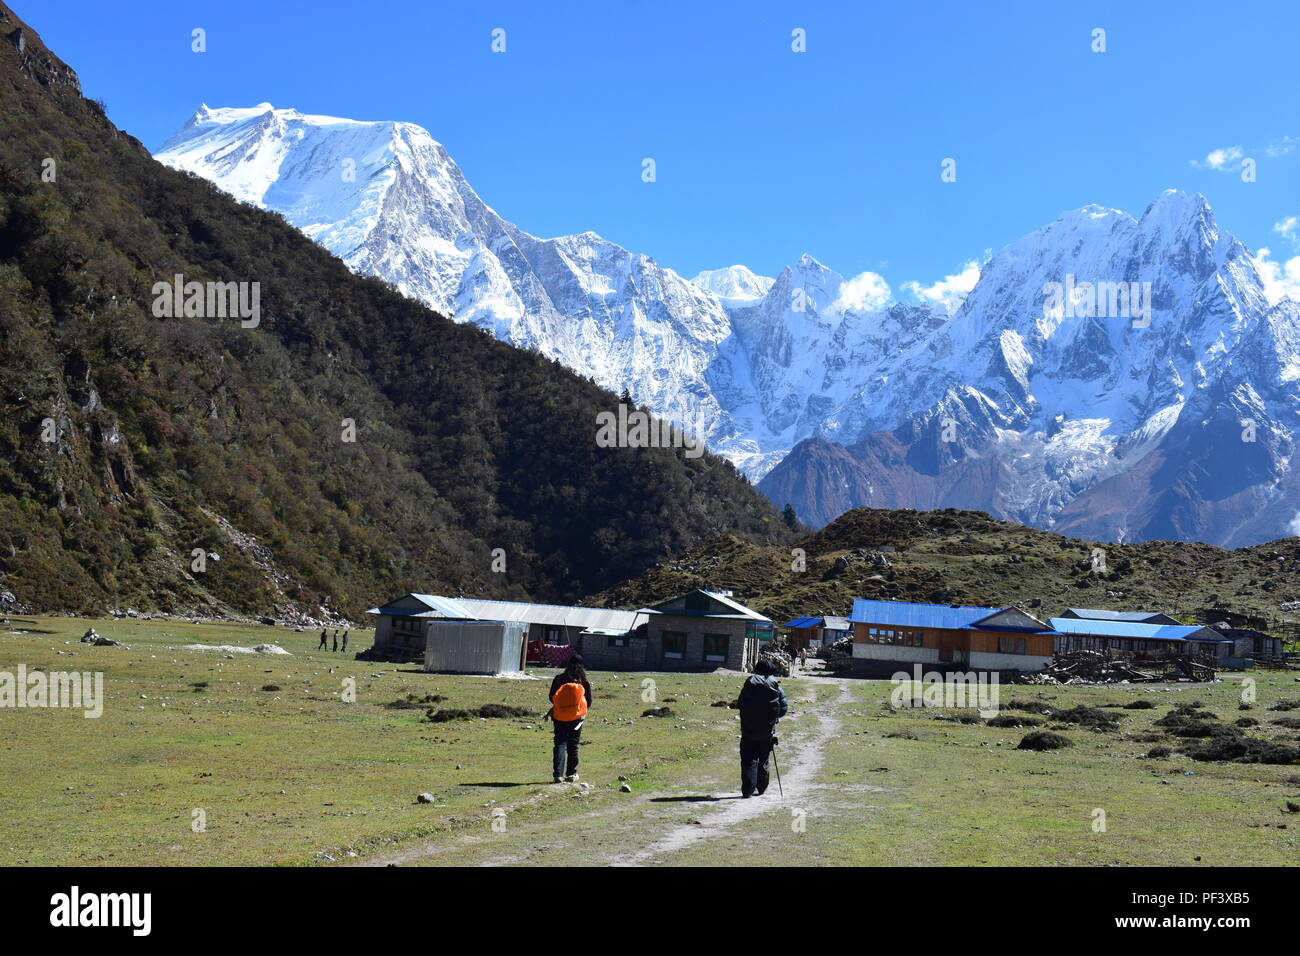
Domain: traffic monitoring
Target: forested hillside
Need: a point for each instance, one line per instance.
(128, 441)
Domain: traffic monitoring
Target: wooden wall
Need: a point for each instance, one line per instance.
(948, 640)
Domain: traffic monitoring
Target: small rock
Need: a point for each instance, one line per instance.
(424, 798)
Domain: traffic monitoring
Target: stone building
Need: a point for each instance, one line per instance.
(699, 631)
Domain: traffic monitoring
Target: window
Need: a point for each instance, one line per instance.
(1012, 645)
(555, 635)
(407, 625)
(617, 641)
(889, 635)
(674, 645)
(716, 647)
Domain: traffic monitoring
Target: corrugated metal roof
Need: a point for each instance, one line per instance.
(947, 616)
(736, 606)
(445, 606)
(830, 623)
(1135, 617)
(555, 615)
(746, 613)
(906, 614)
(1133, 629)
(435, 606)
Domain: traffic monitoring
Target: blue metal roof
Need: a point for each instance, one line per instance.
(800, 622)
(906, 614)
(1133, 629)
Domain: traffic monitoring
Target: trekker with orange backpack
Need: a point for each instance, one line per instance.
(570, 698)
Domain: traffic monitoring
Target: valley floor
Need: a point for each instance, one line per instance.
(265, 752)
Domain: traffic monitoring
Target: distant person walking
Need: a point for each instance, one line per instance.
(762, 704)
(345, 642)
(321, 646)
(570, 698)
(336, 640)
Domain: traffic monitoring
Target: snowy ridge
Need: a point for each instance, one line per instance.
(1009, 399)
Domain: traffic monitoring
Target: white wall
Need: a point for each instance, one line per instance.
(1007, 662)
(896, 652)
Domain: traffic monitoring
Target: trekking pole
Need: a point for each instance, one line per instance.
(777, 765)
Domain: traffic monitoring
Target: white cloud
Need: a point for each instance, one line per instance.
(1282, 147)
(950, 291)
(863, 293)
(1288, 228)
(1281, 279)
(1294, 526)
(1228, 157)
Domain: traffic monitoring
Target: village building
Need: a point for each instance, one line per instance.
(810, 632)
(889, 636)
(1138, 639)
(402, 629)
(702, 630)
(1252, 645)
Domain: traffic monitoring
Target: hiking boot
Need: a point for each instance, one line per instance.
(558, 780)
(571, 778)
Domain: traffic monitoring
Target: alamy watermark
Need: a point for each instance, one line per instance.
(954, 689)
(129, 910)
(1087, 300)
(70, 690)
(637, 429)
(208, 300)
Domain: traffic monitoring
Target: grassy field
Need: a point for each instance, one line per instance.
(299, 775)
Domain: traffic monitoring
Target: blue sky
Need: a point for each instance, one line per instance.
(761, 153)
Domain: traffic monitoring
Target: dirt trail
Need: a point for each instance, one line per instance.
(804, 760)
(801, 756)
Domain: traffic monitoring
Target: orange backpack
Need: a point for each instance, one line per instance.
(570, 702)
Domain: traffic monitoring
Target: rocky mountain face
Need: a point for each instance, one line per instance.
(1108, 376)
(1165, 408)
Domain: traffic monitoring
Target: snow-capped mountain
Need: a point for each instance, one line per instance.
(734, 286)
(1107, 421)
(1163, 408)
(388, 200)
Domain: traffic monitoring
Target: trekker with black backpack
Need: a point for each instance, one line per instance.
(762, 703)
(570, 698)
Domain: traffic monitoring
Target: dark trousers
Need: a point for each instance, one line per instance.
(567, 734)
(754, 755)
